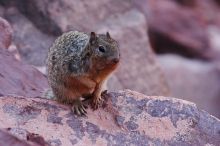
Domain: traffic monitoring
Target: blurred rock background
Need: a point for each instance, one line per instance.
(168, 47)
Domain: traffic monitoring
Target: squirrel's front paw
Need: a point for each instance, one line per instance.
(96, 102)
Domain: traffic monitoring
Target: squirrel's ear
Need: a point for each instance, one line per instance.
(108, 35)
(92, 37)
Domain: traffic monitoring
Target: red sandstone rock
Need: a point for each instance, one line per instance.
(31, 43)
(182, 26)
(194, 81)
(9, 140)
(5, 34)
(19, 78)
(63, 15)
(126, 118)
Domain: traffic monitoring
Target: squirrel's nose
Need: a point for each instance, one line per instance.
(115, 60)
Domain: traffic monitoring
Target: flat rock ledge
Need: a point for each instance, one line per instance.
(125, 118)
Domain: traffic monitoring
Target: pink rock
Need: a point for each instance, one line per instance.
(5, 34)
(7, 139)
(182, 27)
(59, 16)
(19, 78)
(126, 118)
(193, 80)
(31, 43)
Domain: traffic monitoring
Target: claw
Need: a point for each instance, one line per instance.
(83, 111)
(83, 108)
(76, 111)
(79, 108)
(86, 107)
(104, 92)
(96, 102)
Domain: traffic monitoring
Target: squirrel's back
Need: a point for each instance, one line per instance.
(73, 41)
(69, 47)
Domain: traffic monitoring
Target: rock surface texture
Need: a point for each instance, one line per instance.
(5, 33)
(19, 78)
(7, 139)
(31, 43)
(63, 15)
(193, 80)
(181, 26)
(126, 118)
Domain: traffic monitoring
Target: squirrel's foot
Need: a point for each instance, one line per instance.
(96, 102)
(79, 108)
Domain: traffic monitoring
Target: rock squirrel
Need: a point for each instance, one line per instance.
(78, 64)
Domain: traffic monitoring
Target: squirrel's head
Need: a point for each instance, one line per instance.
(105, 51)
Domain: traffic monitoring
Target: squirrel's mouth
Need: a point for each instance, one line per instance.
(115, 61)
(112, 63)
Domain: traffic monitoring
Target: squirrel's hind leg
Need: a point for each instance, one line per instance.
(78, 107)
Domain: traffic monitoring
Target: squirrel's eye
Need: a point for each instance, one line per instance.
(102, 49)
